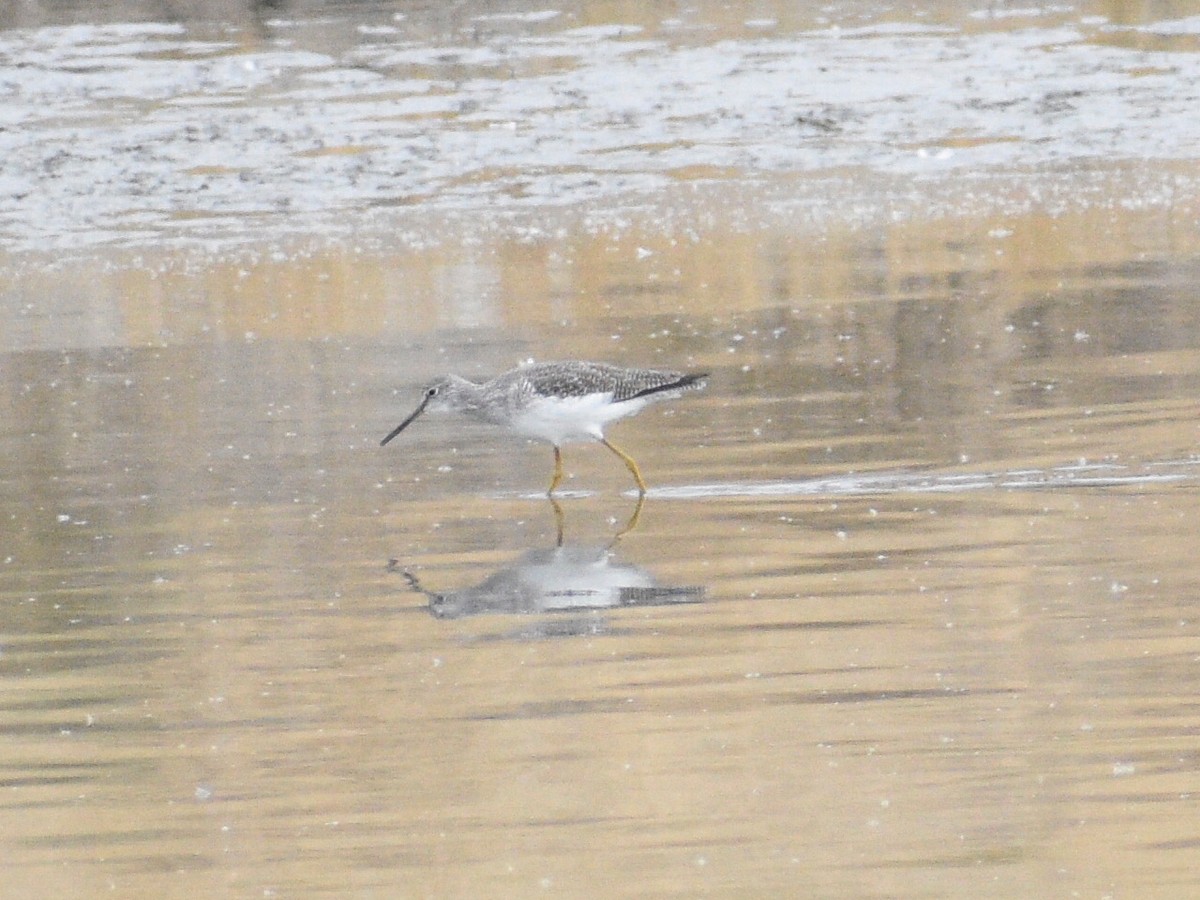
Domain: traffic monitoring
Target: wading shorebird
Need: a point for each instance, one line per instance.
(558, 402)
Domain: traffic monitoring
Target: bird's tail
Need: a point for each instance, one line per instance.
(682, 383)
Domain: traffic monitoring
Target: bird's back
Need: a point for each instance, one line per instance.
(579, 379)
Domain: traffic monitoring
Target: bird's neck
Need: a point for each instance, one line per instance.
(465, 396)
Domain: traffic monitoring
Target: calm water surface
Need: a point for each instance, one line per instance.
(909, 610)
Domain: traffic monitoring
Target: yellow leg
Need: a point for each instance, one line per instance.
(558, 473)
(558, 522)
(633, 520)
(629, 464)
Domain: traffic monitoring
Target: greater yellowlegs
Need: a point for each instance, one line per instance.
(558, 402)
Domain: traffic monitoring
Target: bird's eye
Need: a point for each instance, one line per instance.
(431, 392)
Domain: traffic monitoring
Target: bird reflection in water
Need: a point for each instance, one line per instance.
(562, 579)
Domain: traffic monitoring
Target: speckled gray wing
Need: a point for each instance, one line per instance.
(574, 379)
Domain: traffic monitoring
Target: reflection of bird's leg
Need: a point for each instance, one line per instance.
(558, 472)
(629, 464)
(558, 521)
(633, 520)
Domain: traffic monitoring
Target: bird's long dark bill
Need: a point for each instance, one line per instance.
(399, 428)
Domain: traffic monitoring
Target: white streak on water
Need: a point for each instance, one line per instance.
(1065, 477)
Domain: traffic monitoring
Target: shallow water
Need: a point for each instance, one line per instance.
(396, 121)
(907, 611)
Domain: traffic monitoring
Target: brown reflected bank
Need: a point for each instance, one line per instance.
(651, 269)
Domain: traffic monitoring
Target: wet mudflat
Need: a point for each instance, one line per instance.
(908, 610)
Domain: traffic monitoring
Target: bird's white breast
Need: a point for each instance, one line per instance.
(561, 420)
